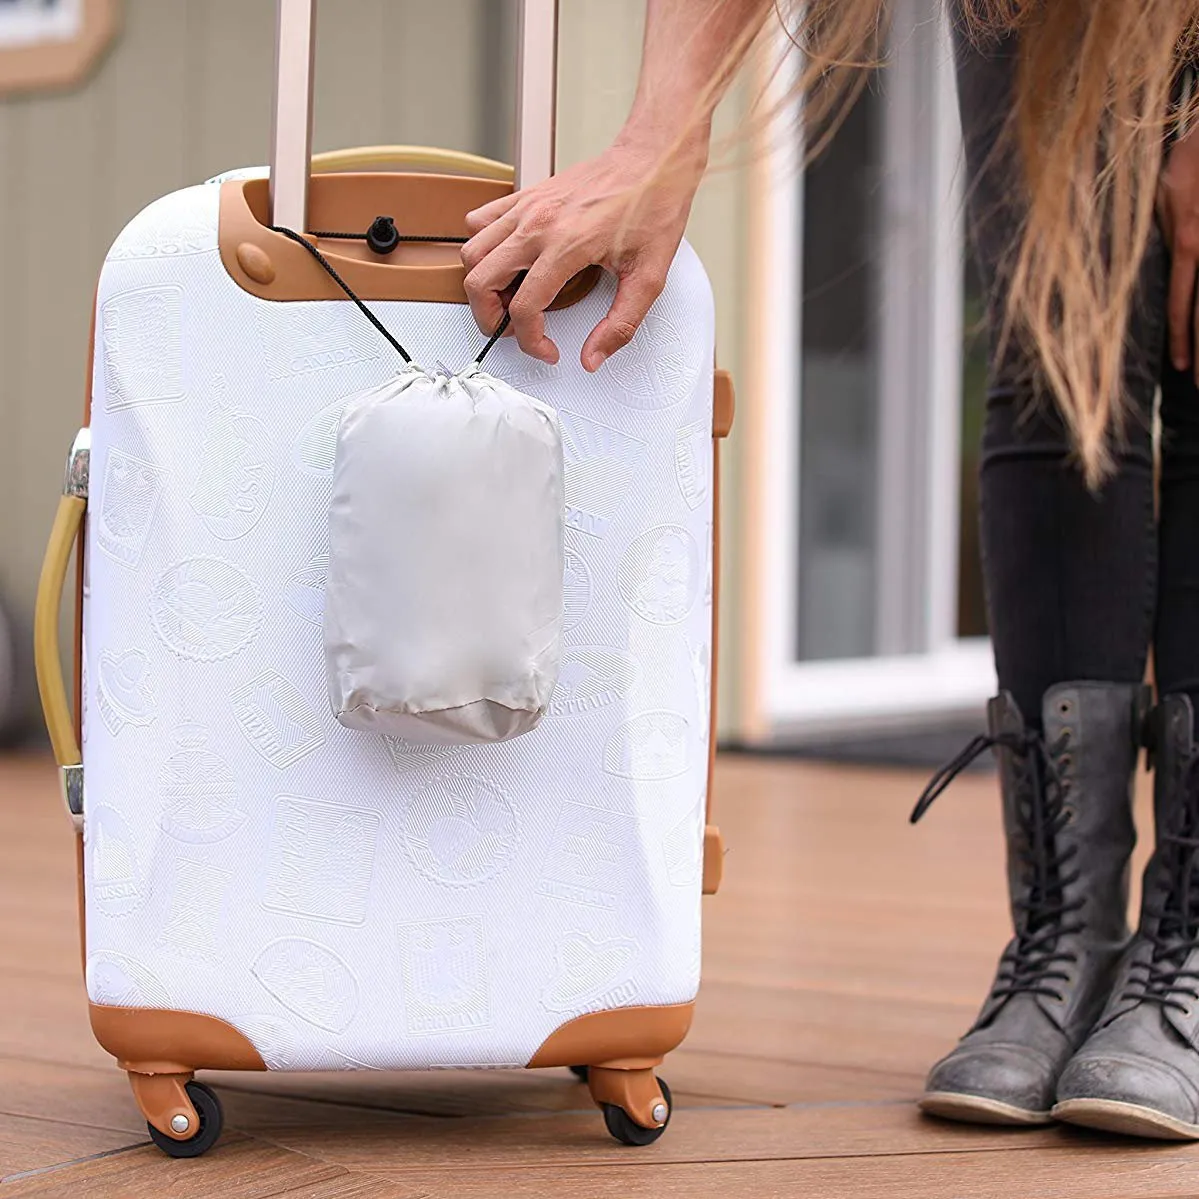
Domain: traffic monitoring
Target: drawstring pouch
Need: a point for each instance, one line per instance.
(443, 606)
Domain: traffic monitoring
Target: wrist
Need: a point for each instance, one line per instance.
(648, 136)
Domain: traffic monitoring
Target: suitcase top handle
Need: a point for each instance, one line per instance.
(291, 127)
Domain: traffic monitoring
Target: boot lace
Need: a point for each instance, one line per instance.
(1174, 919)
(1034, 962)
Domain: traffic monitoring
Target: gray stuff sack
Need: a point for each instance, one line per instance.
(443, 607)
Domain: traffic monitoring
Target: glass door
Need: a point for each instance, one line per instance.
(864, 576)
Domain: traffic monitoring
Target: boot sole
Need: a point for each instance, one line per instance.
(976, 1109)
(1131, 1119)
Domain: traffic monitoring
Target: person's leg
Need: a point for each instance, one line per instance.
(1139, 1071)
(1070, 587)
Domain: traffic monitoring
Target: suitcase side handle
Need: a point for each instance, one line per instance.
(60, 723)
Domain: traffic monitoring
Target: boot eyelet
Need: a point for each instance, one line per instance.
(1065, 761)
(1064, 707)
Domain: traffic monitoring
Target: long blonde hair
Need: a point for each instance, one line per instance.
(1091, 116)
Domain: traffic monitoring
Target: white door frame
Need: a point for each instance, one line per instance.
(924, 672)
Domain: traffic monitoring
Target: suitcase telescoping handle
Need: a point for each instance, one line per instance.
(291, 126)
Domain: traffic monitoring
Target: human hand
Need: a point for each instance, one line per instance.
(594, 213)
(1178, 211)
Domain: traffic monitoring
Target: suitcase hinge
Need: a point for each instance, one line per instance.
(71, 780)
(78, 464)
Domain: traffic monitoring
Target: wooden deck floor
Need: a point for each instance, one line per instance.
(844, 954)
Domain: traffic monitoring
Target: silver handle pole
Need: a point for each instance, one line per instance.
(536, 90)
(291, 124)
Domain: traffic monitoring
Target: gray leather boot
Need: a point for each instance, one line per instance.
(1067, 814)
(1138, 1072)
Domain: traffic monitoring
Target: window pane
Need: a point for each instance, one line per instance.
(839, 390)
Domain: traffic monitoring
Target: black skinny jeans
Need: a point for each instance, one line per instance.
(1077, 583)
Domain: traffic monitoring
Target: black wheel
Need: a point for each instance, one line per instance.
(580, 1072)
(208, 1108)
(625, 1130)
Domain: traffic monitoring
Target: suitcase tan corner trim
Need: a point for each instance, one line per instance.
(630, 1037)
(157, 1041)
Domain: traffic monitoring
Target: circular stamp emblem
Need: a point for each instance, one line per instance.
(205, 609)
(576, 591)
(654, 371)
(660, 574)
(460, 830)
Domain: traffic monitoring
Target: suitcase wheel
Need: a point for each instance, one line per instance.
(580, 1072)
(208, 1108)
(626, 1130)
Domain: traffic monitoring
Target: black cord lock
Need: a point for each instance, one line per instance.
(382, 236)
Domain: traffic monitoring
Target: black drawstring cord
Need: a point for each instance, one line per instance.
(291, 234)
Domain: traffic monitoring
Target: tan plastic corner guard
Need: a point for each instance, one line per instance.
(422, 158)
(46, 652)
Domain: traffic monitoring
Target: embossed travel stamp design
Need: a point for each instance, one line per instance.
(315, 446)
(118, 879)
(274, 1040)
(445, 979)
(656, 369)
(173, 227)
(321, 860)
(117, 980)
(132, 489)
(300, 338)
(586, 862)
(277, 719)
(591, 973)
(195, 925)
(304, 591)
(199, 792)
(123, 692)
(142, 347)
(460, 830)
(654, 745)
(683, 847)
(576, 591)
(408, 755)
(693, 462)
(660, 574)
(236, 475)
(309, 980)
(603, 467)
(590, 678)
(205, 609)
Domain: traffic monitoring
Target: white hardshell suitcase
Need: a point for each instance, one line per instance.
(263, 888)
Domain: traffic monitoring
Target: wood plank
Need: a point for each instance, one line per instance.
(383, 1141)
(239, 1168)
(1071, 1173)
(29, 1143)
(98, 1098)
(437, 1093)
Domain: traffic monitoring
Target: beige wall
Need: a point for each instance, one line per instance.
(184, 94)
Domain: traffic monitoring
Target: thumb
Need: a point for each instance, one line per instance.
(635, 293)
